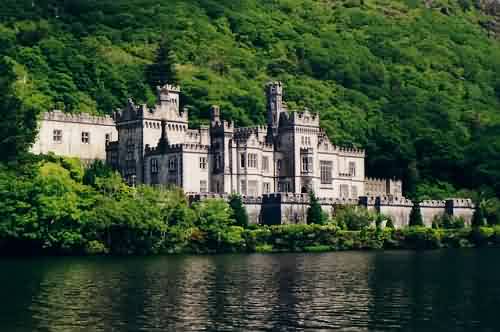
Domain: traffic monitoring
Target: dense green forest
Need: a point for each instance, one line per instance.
(415, 83)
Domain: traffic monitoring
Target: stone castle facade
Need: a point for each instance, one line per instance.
(272, 166)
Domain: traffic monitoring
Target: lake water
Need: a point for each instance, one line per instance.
(452, 290)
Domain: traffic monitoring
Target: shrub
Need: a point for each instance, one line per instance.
(418, 237)
(95, 247)
(264, 248)
(416, 216)
(389, 224)
(239, 212)
(315, 214)
(317, 248)
(355, 218)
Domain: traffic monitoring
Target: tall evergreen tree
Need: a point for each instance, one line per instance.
(416, 216)
(162, 71)
(315, 214)
(239, 212)
(478, 219)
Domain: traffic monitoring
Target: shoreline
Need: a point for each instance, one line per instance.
(285, 239)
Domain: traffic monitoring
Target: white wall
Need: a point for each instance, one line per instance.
(72, 127)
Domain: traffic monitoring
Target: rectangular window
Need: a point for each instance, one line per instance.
(107, 138)
(278, 165)
(243, 187)
(265, 163)
(218, 161)
(57, 135)
(252, 188)
(344, 191)
(85, 137)
(354, 192)
(252, 160)
(283, 187)
(203, 186)
(154, 166)
(326, 168)
(203, 162)
(172, 163)
(352, 168)
(242, 160)
(266, 188)
(307, 164)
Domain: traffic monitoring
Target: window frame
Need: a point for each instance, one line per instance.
(326, 171)
(154, 166)
(203, 163)
(57, 136)
(85, 137)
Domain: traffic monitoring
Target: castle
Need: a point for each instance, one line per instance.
(272, 166)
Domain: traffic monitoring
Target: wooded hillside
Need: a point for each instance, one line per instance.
(415, 83)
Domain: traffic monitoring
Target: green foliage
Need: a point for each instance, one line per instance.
(416, 216)
(315, 214)
(18, 114)
(239, 212)
(162, 70)
(447, 221)
(355, 218)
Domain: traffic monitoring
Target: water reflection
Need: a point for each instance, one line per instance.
(351, 291)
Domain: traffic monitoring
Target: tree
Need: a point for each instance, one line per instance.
(240, 215)
(478, 219)
(416, 216)
(162, 70)
(315, 214)
(18, 119)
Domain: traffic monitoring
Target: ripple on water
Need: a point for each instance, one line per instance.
(392, 291)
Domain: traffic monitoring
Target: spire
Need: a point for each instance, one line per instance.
(163, 142)
(274, 94)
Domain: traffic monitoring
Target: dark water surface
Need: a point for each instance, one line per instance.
(453, 290)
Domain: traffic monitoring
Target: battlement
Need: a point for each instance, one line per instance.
(247, 131)
(375, 180)
(350, 151)
(83, 118)
(222, 126)
(197, 197)
(303, 117)
(394, 200)
(432, 203)
(168, 88)
(191, 147)
(465, 203)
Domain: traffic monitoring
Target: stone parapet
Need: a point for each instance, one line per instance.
(432, 204)
(86, 118)
(460, 203)
(346, 151)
